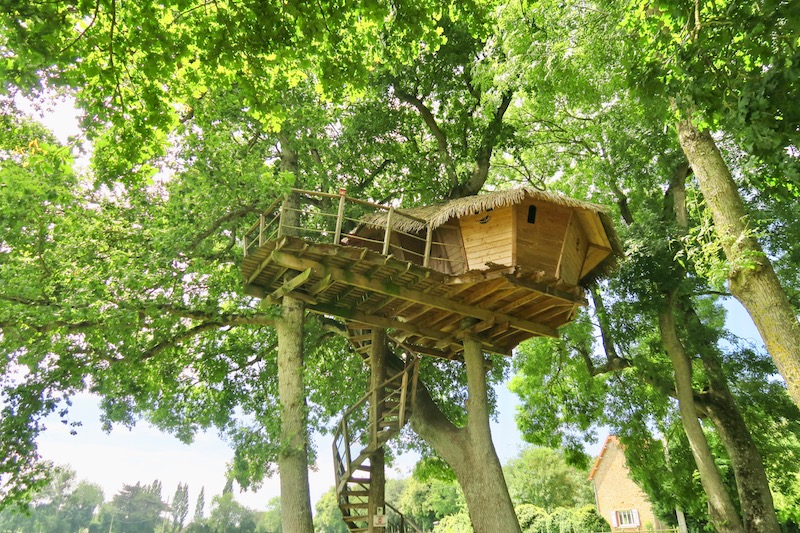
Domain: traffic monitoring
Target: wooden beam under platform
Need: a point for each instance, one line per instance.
(393, 289)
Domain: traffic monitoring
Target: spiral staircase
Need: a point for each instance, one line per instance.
(355, 443)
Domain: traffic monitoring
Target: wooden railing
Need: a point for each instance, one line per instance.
(332, 218)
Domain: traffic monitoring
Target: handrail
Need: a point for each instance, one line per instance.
(325, 221)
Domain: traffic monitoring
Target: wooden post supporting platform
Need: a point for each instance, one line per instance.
(377, 486)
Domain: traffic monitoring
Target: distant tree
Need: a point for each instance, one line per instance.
(430, 501)
(328, 517)
(180, 506)
(270, 520)
(200, 505)
(457, 523)
(541, 477)
(230, 516)
(63, 506)
(135, 509)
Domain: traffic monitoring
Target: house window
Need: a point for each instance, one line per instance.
(625, 518)
(531, 214)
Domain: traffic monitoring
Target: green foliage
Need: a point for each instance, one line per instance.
(180, 506)
(328, 517)
(428, 502)
(229, 515)
(134, 509)
(527, 514)
(567, 520)
(457, 523)
(64, 505)
(270, 521)
(542, 478)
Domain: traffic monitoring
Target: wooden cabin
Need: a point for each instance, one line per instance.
(535, 233)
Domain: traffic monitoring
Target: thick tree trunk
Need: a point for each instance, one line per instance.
(293, 458)
(758, 511)
(377, 485)
(470, 450)
(721, 509)
(718, 403)
(752, 279)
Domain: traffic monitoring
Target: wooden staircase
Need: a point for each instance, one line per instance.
(355, 441)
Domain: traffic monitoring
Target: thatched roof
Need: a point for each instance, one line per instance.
(438, 214)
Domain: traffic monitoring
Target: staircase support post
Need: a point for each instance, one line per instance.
(377, 486)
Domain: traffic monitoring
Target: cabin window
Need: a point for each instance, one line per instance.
(531, 214)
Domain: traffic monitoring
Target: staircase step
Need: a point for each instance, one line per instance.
(359, 480)
(355, 493)
(356, 518)
(354, 506)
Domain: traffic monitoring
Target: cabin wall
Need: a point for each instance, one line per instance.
(573, 252)
(539, 243)
(447, 251)
(488, 238)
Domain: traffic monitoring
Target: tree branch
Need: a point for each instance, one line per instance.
(483, 158)
(439, 135)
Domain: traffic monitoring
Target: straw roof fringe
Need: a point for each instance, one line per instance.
(438, 214)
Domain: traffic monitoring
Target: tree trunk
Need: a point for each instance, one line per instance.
(758, 510)
(722, 512)
(377, 484)
(470, 450)
(751, 277)
(293, 457)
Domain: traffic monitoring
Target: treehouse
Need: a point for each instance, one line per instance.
(476, 274)
(500, 267)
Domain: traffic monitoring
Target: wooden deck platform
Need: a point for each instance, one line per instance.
(428, 310)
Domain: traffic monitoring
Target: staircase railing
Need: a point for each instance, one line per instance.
(354, 443)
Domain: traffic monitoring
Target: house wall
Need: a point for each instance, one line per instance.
(573, 252)
(539, 244)
(487, 238)
(615, 491)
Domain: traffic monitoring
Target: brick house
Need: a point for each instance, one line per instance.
(619, 500)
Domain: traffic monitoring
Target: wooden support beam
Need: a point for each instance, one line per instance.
(289, 286)
(549, 291)
(261, 266)
(389, 288)
(321, 285)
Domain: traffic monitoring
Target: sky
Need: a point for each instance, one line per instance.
(143, 453)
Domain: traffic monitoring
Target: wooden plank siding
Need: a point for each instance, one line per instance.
(573, 252)
(539, 243)
(488, 238)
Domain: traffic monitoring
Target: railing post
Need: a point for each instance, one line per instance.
(388, 235)
(261, 224)
(340, 216)
(281, 217)
(414, 379)
(346, 438)
(404, 388)
(428, 244)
